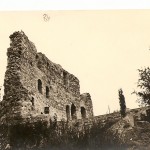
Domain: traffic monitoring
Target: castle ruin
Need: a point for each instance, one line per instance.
(37, 90)
(35, 86)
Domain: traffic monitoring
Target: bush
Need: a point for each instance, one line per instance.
(61, 135)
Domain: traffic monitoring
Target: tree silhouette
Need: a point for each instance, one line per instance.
(122, 103)
(144, 85)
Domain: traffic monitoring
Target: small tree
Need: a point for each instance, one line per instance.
(122, 103)
(144, 85)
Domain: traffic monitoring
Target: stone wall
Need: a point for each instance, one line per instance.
(35, 86)
(86, 103)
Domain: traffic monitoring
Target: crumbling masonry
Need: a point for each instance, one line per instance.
(36, 87)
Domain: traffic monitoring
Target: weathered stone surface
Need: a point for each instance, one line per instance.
(86, 102)
(35, 86)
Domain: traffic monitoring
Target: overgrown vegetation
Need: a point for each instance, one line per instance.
(4, 139)
(61, 135)
(144, 86)
(110, 132)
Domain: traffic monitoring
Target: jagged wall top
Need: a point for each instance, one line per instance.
(19, 39)
(34, 85)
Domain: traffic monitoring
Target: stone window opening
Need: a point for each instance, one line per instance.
(65, 77)
(37, 56)
(47, 64)
(47, 92)
(68, 112)
(40, 86)
(46, 110)
(73, 112)
(83, 112)
(32, 101)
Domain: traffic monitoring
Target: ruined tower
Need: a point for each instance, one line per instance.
(35, 87)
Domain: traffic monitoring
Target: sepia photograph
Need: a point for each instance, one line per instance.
(75, 79)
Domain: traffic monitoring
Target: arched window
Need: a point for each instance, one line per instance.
(68, 112)
(83, 112)
(73, 112)
(47, 92)
(40, 86)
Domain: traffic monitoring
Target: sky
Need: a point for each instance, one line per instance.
(102, 48)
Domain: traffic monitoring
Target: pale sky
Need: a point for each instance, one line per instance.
(102, 48)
